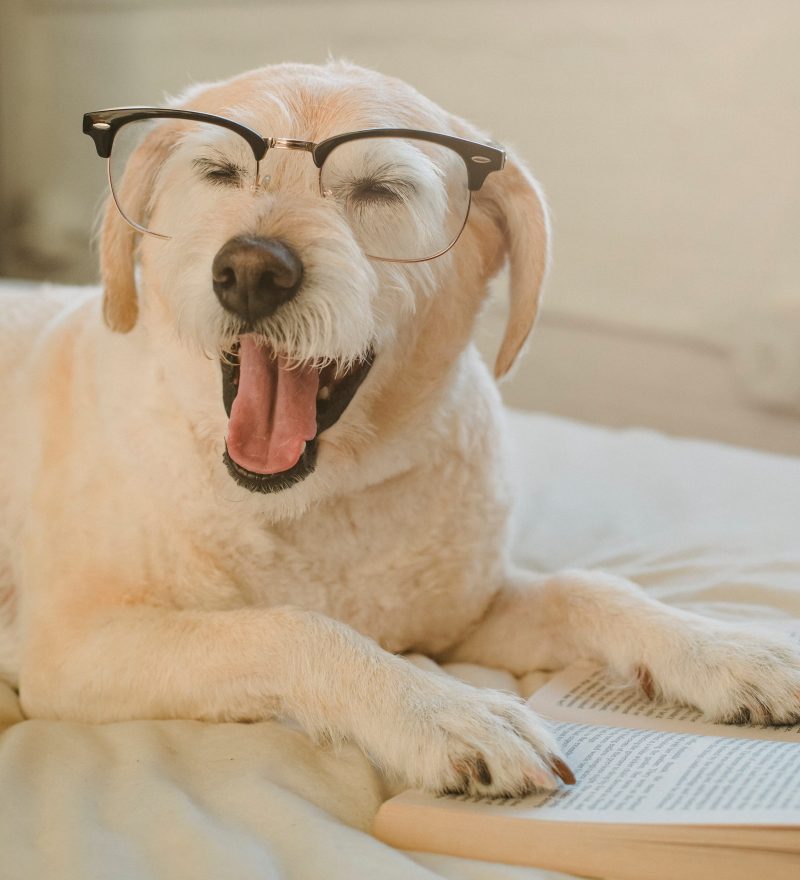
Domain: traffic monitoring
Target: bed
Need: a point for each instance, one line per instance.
(704, 526)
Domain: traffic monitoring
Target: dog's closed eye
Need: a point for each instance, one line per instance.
(380, 185)
(220, 171)
(380, 189)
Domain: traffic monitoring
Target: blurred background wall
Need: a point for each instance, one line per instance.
(666, 135)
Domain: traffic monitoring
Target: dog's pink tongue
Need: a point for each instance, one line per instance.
(274, 412)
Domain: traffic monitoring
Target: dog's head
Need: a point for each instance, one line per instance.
(317, 346)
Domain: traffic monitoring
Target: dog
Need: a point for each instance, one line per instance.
(161, 558)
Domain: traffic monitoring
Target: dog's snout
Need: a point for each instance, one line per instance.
(253, 276)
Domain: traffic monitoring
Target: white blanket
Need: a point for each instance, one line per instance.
(704, 526)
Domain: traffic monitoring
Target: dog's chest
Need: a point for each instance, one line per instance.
(411, 577)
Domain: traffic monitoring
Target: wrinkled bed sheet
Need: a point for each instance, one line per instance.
(707, 527)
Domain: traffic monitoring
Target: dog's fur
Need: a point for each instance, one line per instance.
(137, 580)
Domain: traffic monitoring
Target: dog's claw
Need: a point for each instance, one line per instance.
(561, 769)
(741, 716)
(645, 680)
(482, 771)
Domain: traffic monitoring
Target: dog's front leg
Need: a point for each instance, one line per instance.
(731, 672)
(146, 662)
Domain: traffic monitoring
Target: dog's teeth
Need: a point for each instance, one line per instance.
(303, 448)
(324, 393)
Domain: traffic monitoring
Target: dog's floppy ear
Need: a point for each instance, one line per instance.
(514, 201)
(118, 238)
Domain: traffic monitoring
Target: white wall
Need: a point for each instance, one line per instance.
(667, 136)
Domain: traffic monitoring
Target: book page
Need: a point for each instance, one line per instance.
(640, 776)
(586, 693)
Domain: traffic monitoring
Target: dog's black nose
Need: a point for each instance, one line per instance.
(253, 276)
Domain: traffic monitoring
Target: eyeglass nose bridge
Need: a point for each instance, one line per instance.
(274, 143)
(290, 144)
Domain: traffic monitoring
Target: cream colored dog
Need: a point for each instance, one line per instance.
(138, 579)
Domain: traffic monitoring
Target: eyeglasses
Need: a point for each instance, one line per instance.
(405, 193)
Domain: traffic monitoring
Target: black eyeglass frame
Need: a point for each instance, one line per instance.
(479, 159)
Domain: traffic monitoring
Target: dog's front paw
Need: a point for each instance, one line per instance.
(460, 739)
(732, 675)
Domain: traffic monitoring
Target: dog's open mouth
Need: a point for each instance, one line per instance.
(277, 410)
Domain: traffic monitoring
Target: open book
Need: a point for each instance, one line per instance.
(660, 795)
